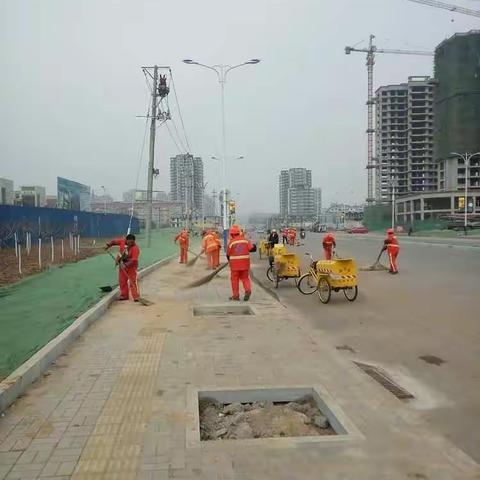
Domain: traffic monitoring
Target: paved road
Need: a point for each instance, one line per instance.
(430, 308)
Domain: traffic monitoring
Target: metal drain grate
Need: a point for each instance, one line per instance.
(383, 379)
(221, 310)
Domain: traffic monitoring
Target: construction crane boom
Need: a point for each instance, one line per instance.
(371, 51)
(374, 49)
(448, 6)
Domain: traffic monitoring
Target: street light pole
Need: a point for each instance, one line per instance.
(222, 71)
(466, 159)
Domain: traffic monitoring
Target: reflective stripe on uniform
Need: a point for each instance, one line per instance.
(239, 257)
(235, 242)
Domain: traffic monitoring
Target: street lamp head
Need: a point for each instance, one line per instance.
(253, 61)
(214, 158)
(241, 157)
(188, 61)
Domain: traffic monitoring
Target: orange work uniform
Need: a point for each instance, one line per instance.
(208, 246)
(127, 260)
(392, 247)
(216, 252)
(183, 242)
(292, 235)
(328, 243)
(238, 254)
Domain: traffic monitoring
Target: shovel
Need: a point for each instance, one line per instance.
(109, 288)
(208, 278)
(376, 267)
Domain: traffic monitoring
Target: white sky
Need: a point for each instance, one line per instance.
(71, 86)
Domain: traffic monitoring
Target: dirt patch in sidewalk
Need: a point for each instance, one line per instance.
(301, 418)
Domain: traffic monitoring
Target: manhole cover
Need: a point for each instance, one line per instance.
(385, 381)
(221, 310)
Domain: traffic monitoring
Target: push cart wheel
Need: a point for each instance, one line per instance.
(350, 293)
(270, 274)
(324, 290)
(306, 284)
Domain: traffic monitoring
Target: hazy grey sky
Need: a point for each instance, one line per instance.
(71, 85)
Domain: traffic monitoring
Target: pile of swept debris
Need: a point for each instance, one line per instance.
(261, 420)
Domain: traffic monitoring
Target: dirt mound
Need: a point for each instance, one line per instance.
(262, 420)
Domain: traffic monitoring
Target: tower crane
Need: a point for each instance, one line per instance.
(448, 6)
(371, 51)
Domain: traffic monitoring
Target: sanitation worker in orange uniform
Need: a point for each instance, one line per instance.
(211, 247)
(328, 244)
(127, 261)
(392, 247)
(216, 252)
(238, 255)
(207, 247)
(292, 235)
(183, 239)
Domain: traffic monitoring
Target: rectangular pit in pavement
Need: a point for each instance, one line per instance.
(221, 310)
(343, 428)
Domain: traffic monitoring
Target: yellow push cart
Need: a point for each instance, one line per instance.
(263, 248)
(338, 274)
(285, 265)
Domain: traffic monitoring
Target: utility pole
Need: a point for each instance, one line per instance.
(159, 91)
(153, 120)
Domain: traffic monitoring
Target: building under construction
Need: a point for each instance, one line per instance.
(457, 109)
(404, 140)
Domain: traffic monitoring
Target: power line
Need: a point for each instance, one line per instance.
(173, 139)
(140, 161)
(179, 111)
(179, 137)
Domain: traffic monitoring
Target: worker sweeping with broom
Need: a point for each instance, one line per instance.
(183, 241)
(127, 260)
(392, 247)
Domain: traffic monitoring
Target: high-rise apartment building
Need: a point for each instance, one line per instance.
(404, 141)
(186, 182)
(391, 140)
(457, 110)
(298, 200)
(284, 185)
(422, 168)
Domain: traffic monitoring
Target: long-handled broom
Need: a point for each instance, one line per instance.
(109, 288)
(191, 262)
(376, 267)
(207, 278)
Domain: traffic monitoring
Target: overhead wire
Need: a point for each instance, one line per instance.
(140, 162)
(178, 136)
(181, 152)
(179, 111)
(165, 121)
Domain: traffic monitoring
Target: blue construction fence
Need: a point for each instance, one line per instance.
(47, 222)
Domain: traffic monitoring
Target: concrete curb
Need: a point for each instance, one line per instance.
(19, 380)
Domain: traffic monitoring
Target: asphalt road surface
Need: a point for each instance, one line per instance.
(431, 308)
